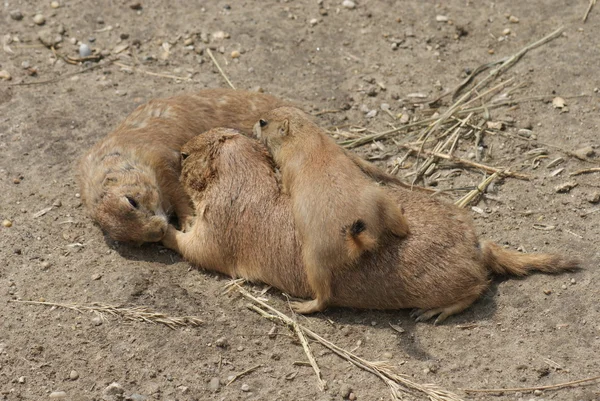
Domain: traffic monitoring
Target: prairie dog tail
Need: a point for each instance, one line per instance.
(504, 262)
(358, 239)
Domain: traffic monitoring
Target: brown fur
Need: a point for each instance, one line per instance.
(329, 193)
(245, 228)
(140, 160)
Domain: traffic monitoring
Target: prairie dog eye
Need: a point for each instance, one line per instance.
(132, 202)
(263, 123)
(184, 155)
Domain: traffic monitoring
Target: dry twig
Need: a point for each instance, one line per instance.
(399, 384)
(465, 200)
(589, 9)
(524, 389)
(154, 74)
(586, 171)
(244, 373)
(134, 313)
(214, 60)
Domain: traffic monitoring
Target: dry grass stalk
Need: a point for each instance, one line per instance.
(244, 373)
(468, 198)
(469, 163)
(586, 171)
(589, 9)
(154, 74)
(529, 389)
(322, 384)
(399, 384)
(134, 313)
(214, 60)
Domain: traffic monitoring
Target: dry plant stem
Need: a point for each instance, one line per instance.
(59, 78)
(398, 383)
(489, 169)
(244, 373)
(586, 171)
(155, 74)
(468, 198)
(587, 12)
(494, 89)
(214, 60)
(550, 387)
(136, 313)
(319, 113)
(492, 75)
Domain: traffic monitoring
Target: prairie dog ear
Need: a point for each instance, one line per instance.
(284, 128)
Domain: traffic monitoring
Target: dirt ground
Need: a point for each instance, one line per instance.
(532, 332)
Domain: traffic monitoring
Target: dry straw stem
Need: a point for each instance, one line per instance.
(589, 9)
(586, 171)
(399, 384)
(154, 74)
(509, 62)
(244, 373)
(468, 198)
(322, 384)
(134, 313)
(528, 389)
(489, 169)
(214, 60)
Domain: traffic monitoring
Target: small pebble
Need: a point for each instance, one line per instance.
(5, 75)
(371, 113)
(214, 384)
(55, 4)
(74, 375)
(84, 50)
(7, 223)
(48, 38)
(222, 342)
(313, 22)
(441, 18)
(25, 64)
(16, 15)
(138, 397)
(594, 198)
(39, 19)
(352, 397)
(345, 391)
(245, 388)
(387, 355)
(45, 265)
(547, 292)
(506, 32)
(21, 379)
(136, 6)
(564, 287)
(100, 21)
(188, 42)
(585, 152)
(57, 395)
(235, 54)
(97, 321)
(112, 390)
(573, 281)
(512, 19)
(537, 393)
(349, 4)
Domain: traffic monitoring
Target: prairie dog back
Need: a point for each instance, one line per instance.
(339, 212)
(130, 180)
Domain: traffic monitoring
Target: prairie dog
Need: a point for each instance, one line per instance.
(244, 227)
(340, 214)
(130, 180)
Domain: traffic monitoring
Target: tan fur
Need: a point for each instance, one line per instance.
(329, 194)
(140, 159)
(244, 227)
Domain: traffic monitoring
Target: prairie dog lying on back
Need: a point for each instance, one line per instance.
(244, 227)
(130, 180)
(339, 213)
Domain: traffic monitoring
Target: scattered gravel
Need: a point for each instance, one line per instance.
(39, 19)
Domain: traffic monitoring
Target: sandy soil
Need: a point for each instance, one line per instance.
(532, 332)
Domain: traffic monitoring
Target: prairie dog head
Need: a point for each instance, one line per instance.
(282, 126)
(129, 207)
